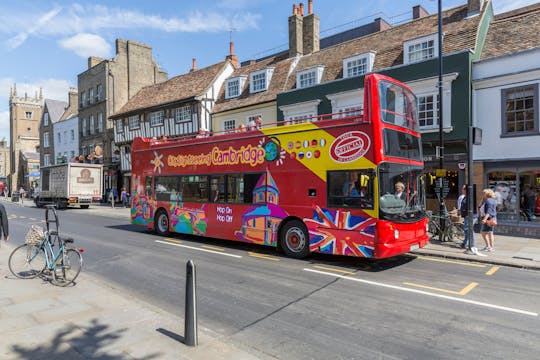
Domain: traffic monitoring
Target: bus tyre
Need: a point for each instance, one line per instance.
(85, 206)
(294, 239)
(161, 223)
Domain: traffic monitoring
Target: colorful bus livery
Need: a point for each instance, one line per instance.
(325, 185)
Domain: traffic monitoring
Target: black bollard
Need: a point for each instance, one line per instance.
(190, 325)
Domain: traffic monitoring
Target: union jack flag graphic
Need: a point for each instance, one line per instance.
(340, 233)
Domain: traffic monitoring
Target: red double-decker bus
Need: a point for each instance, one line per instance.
(346, 185)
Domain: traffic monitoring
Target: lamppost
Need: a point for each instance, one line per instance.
(441, 171)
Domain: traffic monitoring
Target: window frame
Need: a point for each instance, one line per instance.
(265, 80)
(156, 118)
(226, 125)
(91, 125)
(345, 201)
(368, 57)
(309, 77)
(46, 119)
(183, 114)
(119, 125)
(420, 41)
(83, 126)
(240, 80)
(46, 140)
(504, 122)
(134, 122)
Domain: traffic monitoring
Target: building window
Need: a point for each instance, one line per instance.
(46, 119)
(358, 64)
(520, 110)
(83, 127)
(420, 49)
(83, 99)
(156, 118)
(59, 138)
(28, 115)
(99, 92)
(91, 96)
(133, 122)
(260, 80)
(182, 114)
(72, 135)
(234, 87)
(46, 139)
(91, 126)
(300, 112)
(229, 125)
(120, 126)
(428, 115)
(46, 160)
(100, 122)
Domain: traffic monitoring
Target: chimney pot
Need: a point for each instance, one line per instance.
(419, 12)
(294, 11)
(194, 64)
(302, 9)
(310, 6)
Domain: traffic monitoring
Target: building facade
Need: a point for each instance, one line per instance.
(24, 119)
(52, 112)
(104, 88)
(506, 83)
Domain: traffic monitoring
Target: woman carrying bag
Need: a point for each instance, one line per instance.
(489, 218)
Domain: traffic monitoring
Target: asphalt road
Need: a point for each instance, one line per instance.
(320, 308)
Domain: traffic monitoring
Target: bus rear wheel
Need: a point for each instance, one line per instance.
(294, 239)
(161, 223)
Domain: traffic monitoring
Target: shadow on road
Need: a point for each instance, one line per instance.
(74, 342)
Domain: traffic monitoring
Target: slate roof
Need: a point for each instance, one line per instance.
(460, 34)
(55, 108)
(513, 31)
(181, 87)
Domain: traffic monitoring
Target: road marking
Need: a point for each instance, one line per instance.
(492, 270)
(213, 247)
(333, 269)
(451, 261)
(22, 217)
(34, 219)
(462, 292)
(421, 292)
(173, 240)
(198, 248)
(263, 256)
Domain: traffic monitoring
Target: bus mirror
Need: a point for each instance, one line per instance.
(364, 180)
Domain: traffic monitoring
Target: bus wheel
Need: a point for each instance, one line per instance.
(294, 239)
(161, 223)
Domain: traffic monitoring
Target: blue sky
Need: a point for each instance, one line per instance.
(46, 43)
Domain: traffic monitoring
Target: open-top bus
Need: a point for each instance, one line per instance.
(324, 185)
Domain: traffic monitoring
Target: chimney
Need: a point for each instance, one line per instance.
(73, 98)
(231, 57)
(379, 24)
(419, 12)
(474, 6)
(296, 45)
(311, 33)
(193, 65)
(301, 9)
(93, 61)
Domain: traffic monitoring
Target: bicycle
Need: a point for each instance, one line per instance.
(37, 255)
(452, 230)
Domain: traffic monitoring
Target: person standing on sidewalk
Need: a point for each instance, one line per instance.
(111, 198)
(21, 194)
(490, 212)
(464, 213)
(124, 197)
(4, 225)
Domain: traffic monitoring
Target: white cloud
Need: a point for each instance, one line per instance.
(86, 45)
(78, 18)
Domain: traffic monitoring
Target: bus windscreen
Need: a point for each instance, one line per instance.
(398, 106)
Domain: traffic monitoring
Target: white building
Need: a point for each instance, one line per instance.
(505, 106)
(66, 140)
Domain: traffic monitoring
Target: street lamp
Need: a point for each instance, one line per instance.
(442, 173)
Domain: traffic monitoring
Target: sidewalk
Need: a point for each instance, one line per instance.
(93, 320)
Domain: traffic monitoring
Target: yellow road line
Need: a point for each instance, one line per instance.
(172, 240)
(462, 292)
(451, 261)
(263, 256)
(332, 269)
(22, 217)
(33, 219)
(492, 270)
(213, 247)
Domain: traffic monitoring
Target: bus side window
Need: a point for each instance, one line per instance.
(351, 188)
(148, 186)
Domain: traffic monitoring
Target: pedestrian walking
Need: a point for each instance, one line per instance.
(21, 194)
(464, 213)
(124, 196)
(489, 219)
(4, 225)
(111, 198)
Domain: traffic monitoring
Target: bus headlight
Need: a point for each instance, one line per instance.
(396, 234)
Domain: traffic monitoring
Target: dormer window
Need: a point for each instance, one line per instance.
(358, 64)
(260, 80)
(46, 119)
(420, 49)
(234, 87)
(309, 77)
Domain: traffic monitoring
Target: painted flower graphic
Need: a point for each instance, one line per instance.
(158, 164)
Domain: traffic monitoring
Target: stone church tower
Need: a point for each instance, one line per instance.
(24, 117)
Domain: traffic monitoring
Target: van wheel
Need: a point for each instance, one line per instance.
(161, 223)
(294, 239)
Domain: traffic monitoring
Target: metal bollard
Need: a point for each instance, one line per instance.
(190, 325)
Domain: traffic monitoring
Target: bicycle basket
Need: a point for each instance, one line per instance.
(35, 235)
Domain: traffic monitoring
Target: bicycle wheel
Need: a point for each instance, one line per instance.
(27, 261)
(67, 268)
(456, 231)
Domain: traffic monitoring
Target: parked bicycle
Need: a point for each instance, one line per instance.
(45, 251)
(452, 230)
